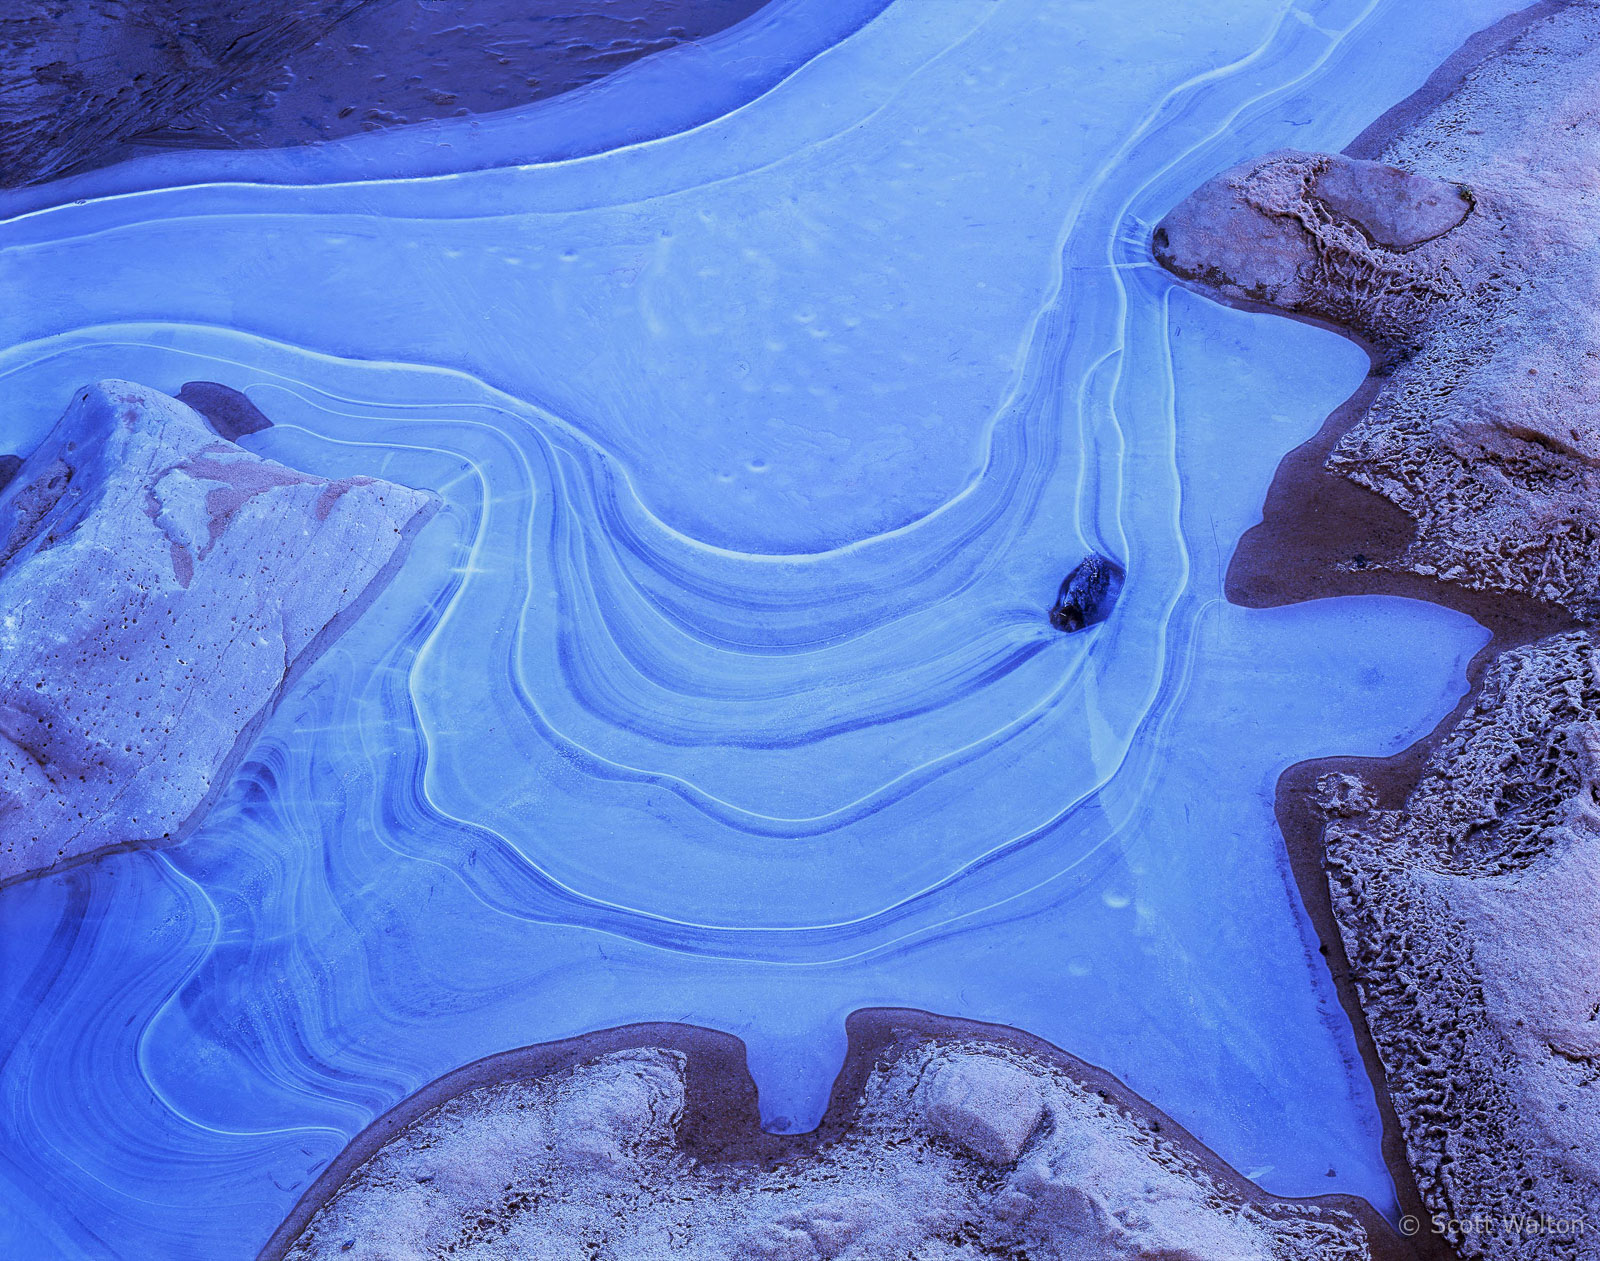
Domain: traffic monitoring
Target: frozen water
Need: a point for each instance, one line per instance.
(723, 691)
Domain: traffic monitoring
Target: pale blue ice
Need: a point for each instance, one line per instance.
(772, 387)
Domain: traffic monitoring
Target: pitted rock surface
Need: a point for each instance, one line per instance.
(1471, 917)
(158, 586)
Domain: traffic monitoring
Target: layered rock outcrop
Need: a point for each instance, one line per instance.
(955, 1147)
(158, 586)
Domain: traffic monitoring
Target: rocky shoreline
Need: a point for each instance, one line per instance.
(943, 1139)
(1449, 883)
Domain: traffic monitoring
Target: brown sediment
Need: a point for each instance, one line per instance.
(231, 414)
(1323, 535)
(720, 1126)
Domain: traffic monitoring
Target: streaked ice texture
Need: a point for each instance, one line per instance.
(723, 691)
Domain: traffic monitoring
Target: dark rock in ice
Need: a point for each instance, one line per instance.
(227, 411)
(9, 464)
(1088, 594)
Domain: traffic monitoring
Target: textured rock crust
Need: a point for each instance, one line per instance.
(1471, 919)
(1468, 903)
(957, 1145)
(158, 585)
(84, 81)
(1470, 272)
(1324, 236)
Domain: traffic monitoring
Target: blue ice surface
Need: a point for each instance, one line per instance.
(722, 691)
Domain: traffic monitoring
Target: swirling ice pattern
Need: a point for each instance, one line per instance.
(722, 690)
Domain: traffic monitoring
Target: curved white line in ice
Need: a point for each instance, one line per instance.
(722, 690)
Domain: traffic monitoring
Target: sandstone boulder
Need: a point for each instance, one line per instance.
(159, 586)
(1322, 236)
(1399, 210)
(1464, 261)
(987, 1105)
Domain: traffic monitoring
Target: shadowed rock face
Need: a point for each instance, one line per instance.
(78, 77)
(1470, 912)
(159, 584)
(957, 1149)
(87, 82)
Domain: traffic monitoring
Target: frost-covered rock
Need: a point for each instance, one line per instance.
(988, 1105)
(1321, 235)
(1471, 917)
(1398, 210)
(1465, 259)
(489, 1174)
(158, 585)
